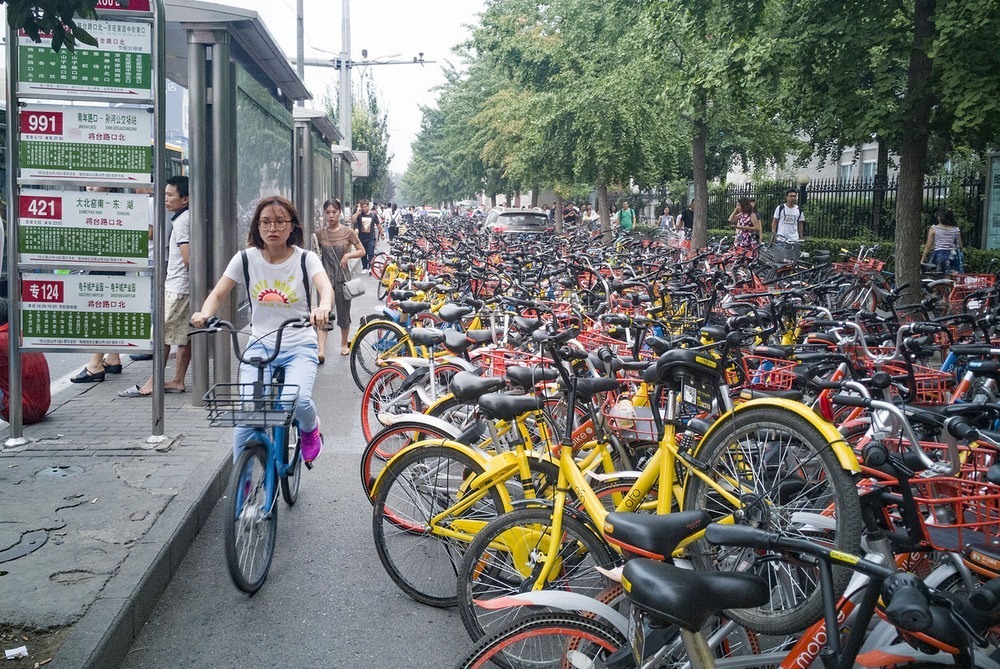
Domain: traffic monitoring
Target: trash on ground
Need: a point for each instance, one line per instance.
(16, 653)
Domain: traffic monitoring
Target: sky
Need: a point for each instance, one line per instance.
(384, 28)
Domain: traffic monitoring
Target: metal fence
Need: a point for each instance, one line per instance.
(845, 209)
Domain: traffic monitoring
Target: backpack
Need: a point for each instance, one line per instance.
(246, 279)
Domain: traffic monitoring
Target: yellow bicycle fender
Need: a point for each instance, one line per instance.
(845, 455)
(441, 400)
(476, 455)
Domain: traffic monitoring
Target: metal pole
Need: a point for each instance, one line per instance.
(346, 103)
(223, 190)
(160, 222)
(198, 203)
(300, 50)
(13, 274)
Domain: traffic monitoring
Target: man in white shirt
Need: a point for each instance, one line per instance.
(788, 220)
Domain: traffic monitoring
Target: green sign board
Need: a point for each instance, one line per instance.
(107, 313)
(78, 143)
(993, 202)
(120, 66)
(66, 228)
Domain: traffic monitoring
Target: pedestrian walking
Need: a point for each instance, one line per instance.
(395, 217)
(368, 225)
(787, 227)
(945, 241)
(626, 217)
(338, 244)
(666, 220)
(747, 224)
(177, 291)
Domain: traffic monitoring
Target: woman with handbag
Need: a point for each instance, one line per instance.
(338, 244)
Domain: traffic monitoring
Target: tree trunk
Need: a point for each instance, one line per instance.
(603, 208)
(534, 196)
(699, 234)
(913, 153)
(559, 220)
(493, 201)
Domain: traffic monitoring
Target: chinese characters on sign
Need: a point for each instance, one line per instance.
(993, 203)
(109, 313)
(81, 143)
(119, 66)
(72, 227)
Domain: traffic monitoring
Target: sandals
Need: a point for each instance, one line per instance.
(133, 391)
(86, 376)
(345, 350)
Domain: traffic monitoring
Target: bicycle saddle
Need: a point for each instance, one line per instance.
(451, 313)
(424, 285)
(587, 388)
(653, 536)
(410, 307)
(779, 353)
(507, 407)
(753, 394)
(527, 377)
(426, 336)
(525, 324)
(682, 363)
(712, 332)
(689, 598)
(468, 388)
(399, 295)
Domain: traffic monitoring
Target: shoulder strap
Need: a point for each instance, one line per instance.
(305, 281)
(246, 276)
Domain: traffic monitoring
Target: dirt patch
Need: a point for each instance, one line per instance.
(42, 645)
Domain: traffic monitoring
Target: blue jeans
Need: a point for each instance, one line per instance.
(300, 364)
(947, 260)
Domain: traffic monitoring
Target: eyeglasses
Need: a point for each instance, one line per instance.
(279, 224)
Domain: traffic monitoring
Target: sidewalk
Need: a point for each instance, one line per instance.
(94, 522)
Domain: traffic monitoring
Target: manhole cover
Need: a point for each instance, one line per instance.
(30, 542)
(60, 472)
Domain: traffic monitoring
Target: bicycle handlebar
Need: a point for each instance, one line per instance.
(214, 324)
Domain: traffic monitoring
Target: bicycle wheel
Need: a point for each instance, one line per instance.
(378, 264)
(249, 530)
(383, 395)
(387, 443)
(293, 454)
(506, 558)
(777, 465)
(548, 641)
(419, 555)
(375, 340)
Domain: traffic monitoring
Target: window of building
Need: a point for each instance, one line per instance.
(845, 172)
(868, 171)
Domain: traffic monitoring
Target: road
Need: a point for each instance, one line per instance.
(327, 601)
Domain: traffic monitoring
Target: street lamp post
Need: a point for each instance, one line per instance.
(803, 180)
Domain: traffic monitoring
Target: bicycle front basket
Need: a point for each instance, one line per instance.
(233, 405)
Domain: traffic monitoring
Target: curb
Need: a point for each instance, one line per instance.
(105, 633)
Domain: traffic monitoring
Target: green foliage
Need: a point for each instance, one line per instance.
(369, 132)
(55, 17)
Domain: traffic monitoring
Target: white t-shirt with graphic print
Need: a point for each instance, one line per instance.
(788, 222)
(277, 293)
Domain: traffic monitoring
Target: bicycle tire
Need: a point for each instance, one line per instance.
(382, 388)
(292, 446)
(783, 465)
(382, 290)
(248, 532)
(377, 339)
(489, 569)
(384, 445)
(547, 640)
(415, 487)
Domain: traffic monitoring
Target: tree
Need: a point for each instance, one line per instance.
(908, 72)
(52, 17)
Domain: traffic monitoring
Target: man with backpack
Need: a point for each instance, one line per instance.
(787, 227)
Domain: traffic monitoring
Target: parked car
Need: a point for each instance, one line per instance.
(432, 215)
(517, 221)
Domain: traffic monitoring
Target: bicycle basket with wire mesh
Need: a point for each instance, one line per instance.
(233, 405)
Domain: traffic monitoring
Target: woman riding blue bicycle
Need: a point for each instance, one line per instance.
(274, 269)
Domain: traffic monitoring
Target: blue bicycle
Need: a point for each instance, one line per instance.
(270, 456)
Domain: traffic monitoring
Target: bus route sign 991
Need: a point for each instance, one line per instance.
(86, 311)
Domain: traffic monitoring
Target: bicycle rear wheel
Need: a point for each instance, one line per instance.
(420, 553)
(382, 395)
(293, 456)
(507, 556)
(249, 528)
(787, 479)
(548, 641)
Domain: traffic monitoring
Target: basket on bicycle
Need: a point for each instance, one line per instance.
(958, 512)
(932, 385)
(628, 422)
(965, 284)
(763, 373)
(233, 405)
(594, 339)
(859, 267)
(495, 361)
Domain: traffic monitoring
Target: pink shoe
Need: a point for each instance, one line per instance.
(312, 444)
